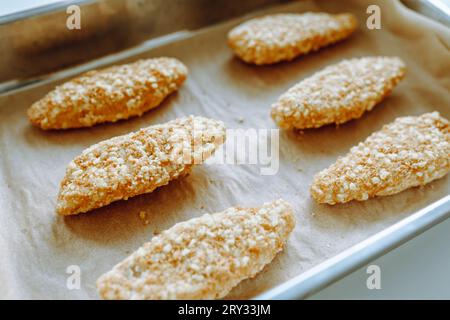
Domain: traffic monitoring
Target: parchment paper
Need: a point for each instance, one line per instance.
(37, 246)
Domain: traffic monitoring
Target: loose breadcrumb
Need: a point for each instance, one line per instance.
(338, 93)
(143, 217)
(203, 258)
(283, 37)
(137, 163)
(410, 152)
(108, 95)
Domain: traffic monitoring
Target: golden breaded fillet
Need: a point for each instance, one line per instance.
(108, 95)
(283, 37)
(203, 258)
(137, 163)
(410, 152)
(338, 93)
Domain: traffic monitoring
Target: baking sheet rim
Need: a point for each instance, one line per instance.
(320, 276)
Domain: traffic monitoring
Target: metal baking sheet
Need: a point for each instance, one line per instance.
(38, 247)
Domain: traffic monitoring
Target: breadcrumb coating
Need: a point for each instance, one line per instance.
(137, 163)
(202, 258)
(283, 37)
(410, 152)
(338, 93)
(108, 95)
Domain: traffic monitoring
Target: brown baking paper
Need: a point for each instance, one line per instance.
(37, 247)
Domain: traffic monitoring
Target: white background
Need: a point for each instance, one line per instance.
(419, 269)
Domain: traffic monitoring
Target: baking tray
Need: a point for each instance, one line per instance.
(431, 204)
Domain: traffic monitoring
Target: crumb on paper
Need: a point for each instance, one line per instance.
(143, 217)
